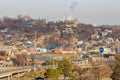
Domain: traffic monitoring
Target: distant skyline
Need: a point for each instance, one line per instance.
(96, 12)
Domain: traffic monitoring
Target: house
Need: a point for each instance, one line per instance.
(68, 51)
(68, 30)
(58, 58)
(118, 50)
(107, 51)
(104, 33)
(110, 39)
(31, 50)
(42, 50)
(4, 30)
(3, 63)
(81, 62)
(57, 50)
(80, 42)
(108, 30)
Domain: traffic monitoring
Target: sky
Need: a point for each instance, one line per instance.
(97, 12)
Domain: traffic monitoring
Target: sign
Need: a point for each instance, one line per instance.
(101, 49)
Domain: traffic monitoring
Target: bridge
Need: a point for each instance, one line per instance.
(8, 72)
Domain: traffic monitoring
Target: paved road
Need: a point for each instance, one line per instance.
(9, 71)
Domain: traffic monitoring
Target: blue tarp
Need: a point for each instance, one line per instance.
(52, 46)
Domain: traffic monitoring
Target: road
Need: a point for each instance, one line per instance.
(14, 70)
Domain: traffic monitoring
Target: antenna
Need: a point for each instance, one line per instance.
(73, 7)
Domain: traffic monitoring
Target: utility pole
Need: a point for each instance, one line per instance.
(35, 36)
(53, 62)
(101, 50)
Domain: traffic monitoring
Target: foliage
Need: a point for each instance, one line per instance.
(100, 71)
(79, 71)
(65, 67)
(34, 73)
(116, 70)
(27, 26)
(50, 62)
(52, 74)
(20, 60)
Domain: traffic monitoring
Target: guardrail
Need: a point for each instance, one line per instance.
(9, 71)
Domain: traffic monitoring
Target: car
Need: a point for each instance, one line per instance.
(39, 78)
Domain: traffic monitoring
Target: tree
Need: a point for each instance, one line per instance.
(34, 73)
(52, 74)
(20, 60)
(79, 72)
(6, 22)
(116, 70)
(100, 71)
(50, 62)
(65, 67)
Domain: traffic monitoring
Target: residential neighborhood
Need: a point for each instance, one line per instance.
(59, 40)
(26, 42)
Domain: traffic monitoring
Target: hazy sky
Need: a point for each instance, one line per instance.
(87, 11)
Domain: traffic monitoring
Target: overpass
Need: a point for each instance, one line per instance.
(9, 72)
(16, 70)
